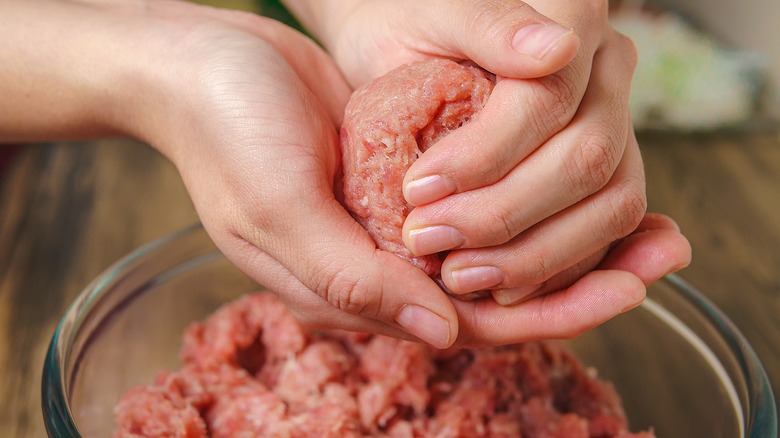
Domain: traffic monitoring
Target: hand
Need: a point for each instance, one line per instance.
(615, 285)
(544, 182)
(251, 125)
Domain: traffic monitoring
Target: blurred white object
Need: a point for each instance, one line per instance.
(685, 80)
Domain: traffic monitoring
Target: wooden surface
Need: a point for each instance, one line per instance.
(70, 210)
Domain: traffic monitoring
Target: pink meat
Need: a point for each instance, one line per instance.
(388, 124)
(338, 384)
(155, 412)
(257, 334)
(396, 375)
(250, 410)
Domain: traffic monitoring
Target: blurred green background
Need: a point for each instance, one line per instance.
(269, 8)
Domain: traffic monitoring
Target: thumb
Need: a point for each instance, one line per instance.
(507, 37)
(337, 260)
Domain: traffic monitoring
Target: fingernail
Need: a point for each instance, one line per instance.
(425, 324)
(536, 40)
(477, 278)
(428, 189)
(433, 239)
(514, 295)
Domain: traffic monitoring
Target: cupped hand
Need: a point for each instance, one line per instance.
(251, 126)
(533, 194)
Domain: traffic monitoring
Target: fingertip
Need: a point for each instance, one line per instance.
(530, 45)
(427, 325)
(533, 51)
(414, 302)
(431, 239)
(428, 189)
(462, 280)
(650, 255)
(550, 44)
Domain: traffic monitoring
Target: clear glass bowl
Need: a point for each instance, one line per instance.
(679, 364)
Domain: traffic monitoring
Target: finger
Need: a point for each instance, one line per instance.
(519, 116)
(569, 167)
(656, 248)
(651, 252)
(593, 299)
(507, 37)
(514, 295)
(311, 310)
(560, 241)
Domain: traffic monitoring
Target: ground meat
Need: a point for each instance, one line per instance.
(338, 384)
(388, 123)
(157, 412)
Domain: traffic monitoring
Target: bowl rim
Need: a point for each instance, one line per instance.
(762, 421)
(57, 415)
(59, 421)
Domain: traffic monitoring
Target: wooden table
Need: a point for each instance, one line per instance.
(70, 210)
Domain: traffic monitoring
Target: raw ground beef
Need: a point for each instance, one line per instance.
(251, 371)
(388, 123)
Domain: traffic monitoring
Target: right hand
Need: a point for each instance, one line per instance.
(542, 187)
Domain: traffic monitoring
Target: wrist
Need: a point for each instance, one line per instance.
(73, 69)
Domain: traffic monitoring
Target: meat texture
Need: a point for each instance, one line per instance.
(388, 124)
(338, 384)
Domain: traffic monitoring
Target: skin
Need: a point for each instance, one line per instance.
(557, 123)
(248, 111)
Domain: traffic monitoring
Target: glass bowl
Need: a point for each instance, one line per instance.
(679, 364)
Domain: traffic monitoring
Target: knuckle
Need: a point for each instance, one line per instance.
(530, 266)
(593, 164)
(628, 209)
(485, 168)
(558, 97)
(499, 225)
(343, 291)
(538, 267)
